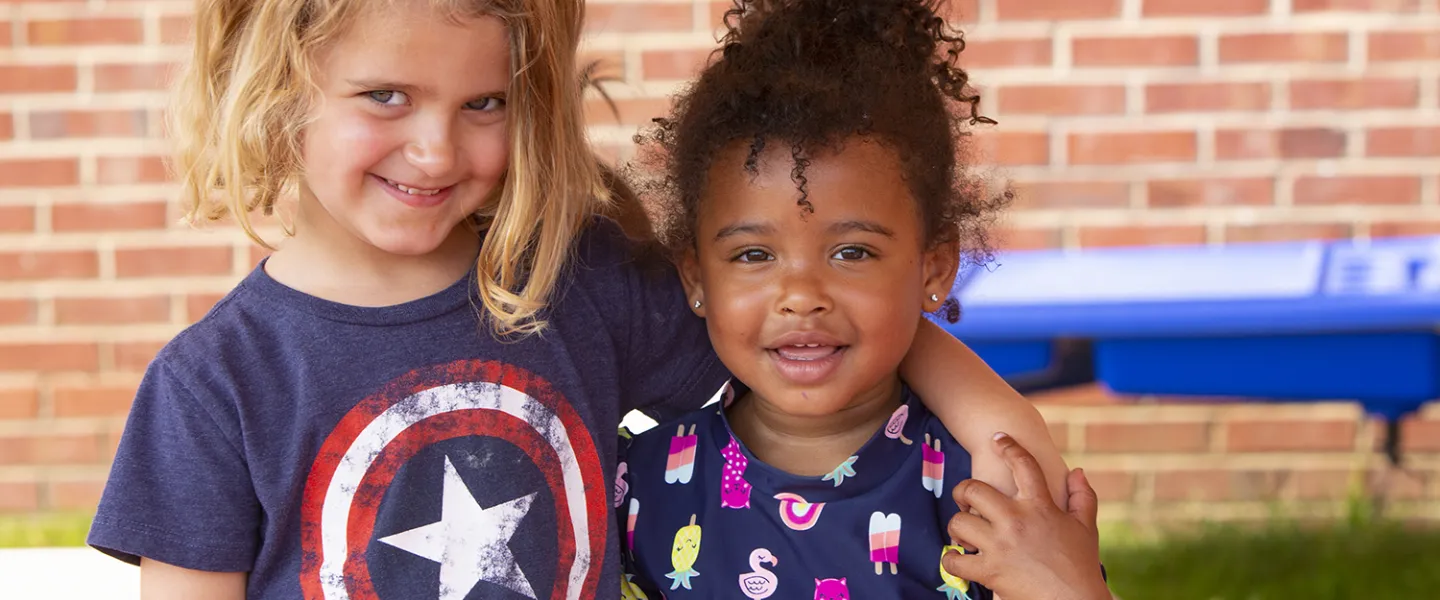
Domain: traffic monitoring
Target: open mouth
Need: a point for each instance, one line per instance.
(413, 191)
(807, 352)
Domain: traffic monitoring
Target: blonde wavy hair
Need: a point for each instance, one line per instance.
(246, 95)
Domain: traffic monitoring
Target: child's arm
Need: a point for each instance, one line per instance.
(1027, 546)
(974, 402)
(160, 581)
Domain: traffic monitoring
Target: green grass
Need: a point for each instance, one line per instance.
(42, 531)
(1360, 559)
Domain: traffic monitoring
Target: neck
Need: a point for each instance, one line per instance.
(812, 445)
(324, 260)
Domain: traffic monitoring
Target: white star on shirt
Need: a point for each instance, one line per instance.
(470, 543)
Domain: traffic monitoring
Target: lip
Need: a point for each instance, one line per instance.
(413, 200)
(810, 365)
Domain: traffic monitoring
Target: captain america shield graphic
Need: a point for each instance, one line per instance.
(473, 478)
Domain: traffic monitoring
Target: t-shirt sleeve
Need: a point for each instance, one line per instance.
(668, 366)
(179, 490)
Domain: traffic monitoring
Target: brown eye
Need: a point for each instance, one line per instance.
(852, 253)
(753, 255)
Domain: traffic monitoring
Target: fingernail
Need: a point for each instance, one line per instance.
(1000, 435)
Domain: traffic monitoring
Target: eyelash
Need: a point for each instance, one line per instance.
(374, 96)
(743, 255)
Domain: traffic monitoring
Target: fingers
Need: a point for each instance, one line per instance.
(971, 531)
(970, 567)
(1029, 479)
(1084, 503)
(975, 496)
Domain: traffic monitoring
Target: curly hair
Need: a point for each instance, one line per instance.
(812, 74)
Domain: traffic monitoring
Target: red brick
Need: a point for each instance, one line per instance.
(19, 403)
(1137, 147)
(983, 54)
(173, 262)
(1071, 194)
(85, 32)
(672, 64)
(1284, 47)
(53, 264)
(6, 38)
(17, 219)
(1062, 99)
(1206, 97)
(1146, 437)
(1026, 239)
(75, 495)
(1322, 485)
(134, 357)
(1384, 229)
(1420, 435)
(1260, 144)
(1286, 232)
(257, 254)
(7, 126)
(636, 111)
(132, 169)
(1403, 141)
(1049, 10)
(19, 497)
(28, 79)
(1187, 8)
(39, 172)
(196, 305)
(1290, 436)
(1112, 486)
(47, 357)
(93, 400)
(1396, 484)
(89, 124)
(1211, 192)
(1154, 235)
(176, 29)
(130, 216)
(1060, 434)
(1389, 6)
(631, 17)
(1157, 51)
(963, 11)
(132, 77)
(1391, 46)
(50, 449)
(1089, 394)
(1354, 94)
(1217, 485)
(112, 310)
(17, 311)
(1013, 147)
(1377, 189)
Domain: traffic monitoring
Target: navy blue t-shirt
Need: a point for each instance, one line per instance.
(335, 451)
(704, 518)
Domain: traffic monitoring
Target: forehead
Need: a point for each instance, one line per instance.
(404, 33)
(861, 178)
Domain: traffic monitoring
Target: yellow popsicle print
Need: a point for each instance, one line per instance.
(683, 555)
(630, 591)
(954, 587)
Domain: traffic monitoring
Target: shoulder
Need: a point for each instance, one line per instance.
(603, 246)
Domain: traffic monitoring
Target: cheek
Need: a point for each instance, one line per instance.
(338, 144)
(488, 151)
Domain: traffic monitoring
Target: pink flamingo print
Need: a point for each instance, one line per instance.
(759, 583)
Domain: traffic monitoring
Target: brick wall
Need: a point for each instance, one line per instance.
(1122, 122)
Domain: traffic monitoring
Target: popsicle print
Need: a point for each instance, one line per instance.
(680, 465)
(932, 471)
(885, 541)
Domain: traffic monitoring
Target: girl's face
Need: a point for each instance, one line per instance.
(409, 135)
(814, 311)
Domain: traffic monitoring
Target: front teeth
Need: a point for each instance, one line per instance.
(413, 191)
(805, 346)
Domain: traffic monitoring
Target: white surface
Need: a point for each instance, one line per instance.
(65, 574)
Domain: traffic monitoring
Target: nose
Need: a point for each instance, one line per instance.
(803, 295)
(431, 148)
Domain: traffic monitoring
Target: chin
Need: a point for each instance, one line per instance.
(407, 243)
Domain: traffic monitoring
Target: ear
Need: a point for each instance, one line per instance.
(690, 278)
(941, 264)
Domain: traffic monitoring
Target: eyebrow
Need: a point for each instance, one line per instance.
(865, 226)
(381, 84)
(743, 227)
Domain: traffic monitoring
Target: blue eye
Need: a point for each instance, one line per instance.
(852, 253)
(388, 97)
(486, 104)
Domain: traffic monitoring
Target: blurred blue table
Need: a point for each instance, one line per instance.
(1280, 321)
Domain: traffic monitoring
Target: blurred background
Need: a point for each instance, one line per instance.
(1149, 123)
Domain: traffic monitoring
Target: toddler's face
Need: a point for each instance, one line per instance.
(814, 310)
(409, 134)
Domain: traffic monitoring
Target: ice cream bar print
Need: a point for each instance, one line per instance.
(885, 541)
(932, 471)
(895, 429)
(681, 464)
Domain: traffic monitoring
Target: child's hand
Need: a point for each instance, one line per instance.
(1029, 549)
